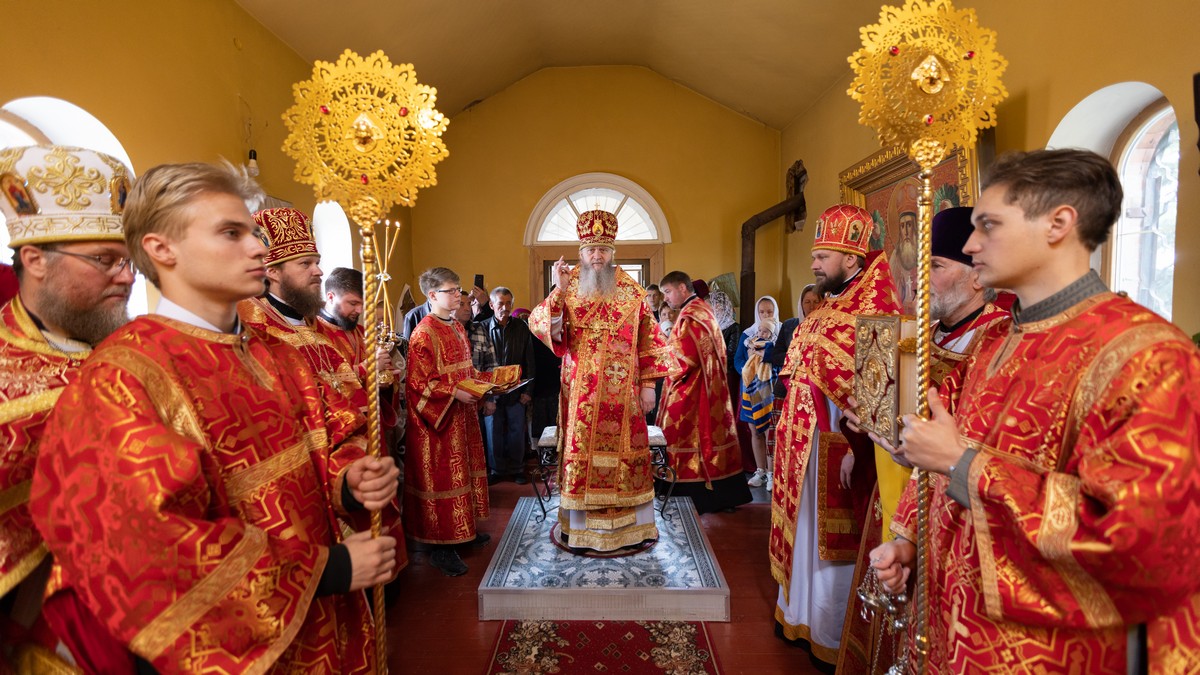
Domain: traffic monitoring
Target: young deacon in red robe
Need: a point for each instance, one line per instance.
(1063, 454)
(445, 471)
(596, 317)
(695, 412)
(190, 481)
(75, 278)
(819, 501)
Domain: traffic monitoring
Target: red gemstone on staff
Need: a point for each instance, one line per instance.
(404, 112)
(894, 50)
(969, 55)
(928, 120)
(324, 110)
(364, 179)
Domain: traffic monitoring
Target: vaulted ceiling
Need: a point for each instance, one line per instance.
(768, 59)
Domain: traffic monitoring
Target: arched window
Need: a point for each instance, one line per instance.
(1143, 243)
(39, 120)
(331, 230)
(641, 225)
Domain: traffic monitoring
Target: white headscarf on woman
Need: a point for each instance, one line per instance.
(753, 329)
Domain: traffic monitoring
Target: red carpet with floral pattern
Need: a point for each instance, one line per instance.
(634, 647)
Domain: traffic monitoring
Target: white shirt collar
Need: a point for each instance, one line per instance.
(173, 311)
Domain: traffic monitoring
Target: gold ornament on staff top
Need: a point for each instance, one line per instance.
(366, 134)
(928, 79)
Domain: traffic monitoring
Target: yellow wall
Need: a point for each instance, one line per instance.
(174, 80)
(1058, 54)
(708, 167)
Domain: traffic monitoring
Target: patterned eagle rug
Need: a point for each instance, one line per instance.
(633, 647)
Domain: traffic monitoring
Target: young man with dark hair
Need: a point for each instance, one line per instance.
(192, 478)
(695, 411)
(343, 298)
(1062, 454)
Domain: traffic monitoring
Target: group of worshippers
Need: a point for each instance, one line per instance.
(191, 490)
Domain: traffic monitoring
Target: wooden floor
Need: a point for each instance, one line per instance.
(433, 624)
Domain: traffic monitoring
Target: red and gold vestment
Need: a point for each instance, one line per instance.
(695, 412)
(820, 368)
(445, 471)
(189, 485)
(32, 377)
(615, 349)
(327, 353)
(1083, 517)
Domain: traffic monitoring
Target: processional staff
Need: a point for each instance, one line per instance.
(928, 79)
(366, 134)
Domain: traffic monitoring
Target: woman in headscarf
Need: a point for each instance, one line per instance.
(766, 313)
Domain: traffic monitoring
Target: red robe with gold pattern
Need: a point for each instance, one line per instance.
(820, 366)
(188, 485)
(695, 412)
(1084, 515)
(445, 471)
(325, 352)
(615, 349)
(32, 376)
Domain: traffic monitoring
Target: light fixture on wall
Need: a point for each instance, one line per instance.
(252, 165)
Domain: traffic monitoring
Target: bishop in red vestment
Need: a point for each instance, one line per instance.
(612, 352)
(1063, 454)
(695, 412)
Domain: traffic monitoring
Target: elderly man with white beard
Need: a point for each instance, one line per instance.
(595, 315)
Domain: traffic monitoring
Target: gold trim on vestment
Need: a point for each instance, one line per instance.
(173, 407)
(605, 500)
(594, 520)
(1103, 370)
(163, 630)
(802, 632)
(34, 659)
(1060, 521)
(15, 496)
(983, 536)
(443, 494)
(631, 535)
(25, 406)
(33, 340)
(241, 484)
(22, 569)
